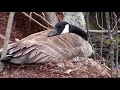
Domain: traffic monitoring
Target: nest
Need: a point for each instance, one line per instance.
(75, 68)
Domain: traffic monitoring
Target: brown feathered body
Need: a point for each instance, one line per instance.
(38, 48)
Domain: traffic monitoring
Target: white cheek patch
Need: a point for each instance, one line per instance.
(66, 29)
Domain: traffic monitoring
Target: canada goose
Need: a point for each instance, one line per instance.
(65, 27)
(38, 47)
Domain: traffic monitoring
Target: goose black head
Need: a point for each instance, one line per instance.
(60, 27)
(65, 27)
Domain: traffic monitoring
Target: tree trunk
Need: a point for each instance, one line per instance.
(51, 17)
(111, 42)
(7, 38)
(75, 18)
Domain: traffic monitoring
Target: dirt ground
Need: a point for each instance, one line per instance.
(47, 70)
(61, 69)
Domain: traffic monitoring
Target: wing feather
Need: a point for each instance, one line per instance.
(38, 48)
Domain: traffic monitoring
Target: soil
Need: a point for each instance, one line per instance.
(59, 69)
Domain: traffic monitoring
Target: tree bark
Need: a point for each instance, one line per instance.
(7, 38)
(2, 37)
(111, 42)
(117, 51)
(51, 17)
(75, 18)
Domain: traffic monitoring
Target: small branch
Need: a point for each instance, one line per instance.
(2, 37)
(59, 16)
(31, 15)
(115, 20)
(99, 31)
(43, 14)
(7, 38)
(29, 25)
(43, 19)
(98, 22)
(111, 42)
(101, 58)
(35, 20)
(16, 71)
(102, 39)
(87, 26)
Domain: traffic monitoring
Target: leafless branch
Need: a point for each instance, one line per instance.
(111, 42)
(101, 58)
(100, 31)
(2, 37)
(116, 22)
(43, 19)
(7, 38)
(87, 25)
(31, 14)
(98, 22)
(102, 38)
(29, 25)
(116, 29)
(16, 71)
(35, 20)
(43, 14)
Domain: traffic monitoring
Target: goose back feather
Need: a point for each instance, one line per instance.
(38, 48)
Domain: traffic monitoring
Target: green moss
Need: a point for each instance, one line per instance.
(107, 41)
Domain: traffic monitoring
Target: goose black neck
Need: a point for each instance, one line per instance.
(78, 31)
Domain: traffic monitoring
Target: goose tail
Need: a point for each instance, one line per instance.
(7, 59)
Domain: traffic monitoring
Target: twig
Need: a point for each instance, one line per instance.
(7, 38)
(87, 25)
(102, 39)
(43, 19)
(115, 20)
(18, 68)
(99, 31)
(43, 14)
(2, 37)
(35, 20)
(108, 68)
(102, 58)
(98, 22)
(31, 15)
(29, 26)
(111, 42)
